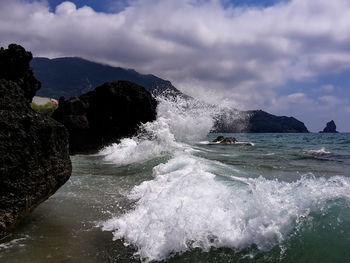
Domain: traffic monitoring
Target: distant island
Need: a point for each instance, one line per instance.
(74, 76)
(330, 128)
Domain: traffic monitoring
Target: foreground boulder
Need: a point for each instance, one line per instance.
(330, 128)
(110, 112)
(34, 153)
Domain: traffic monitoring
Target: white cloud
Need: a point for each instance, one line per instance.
(244, 54)
(316, 111)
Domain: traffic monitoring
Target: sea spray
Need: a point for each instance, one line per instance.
(193, 202)
(180, 122)
(154, 141)
(186, 207)
(181, 187)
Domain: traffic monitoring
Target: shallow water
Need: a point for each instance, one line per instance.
(167, 195)
(286, 199)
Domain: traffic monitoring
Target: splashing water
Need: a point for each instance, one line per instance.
(319, 152)
(190, 204)
(179, 123)
(186, 207)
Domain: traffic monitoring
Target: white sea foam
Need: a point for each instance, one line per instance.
(319, 152)
(13, 243)
(153, 142)
(187, 206)
(193, 202)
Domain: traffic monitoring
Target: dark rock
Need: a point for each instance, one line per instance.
(229, 140)
(330, 128)
(225, 140)
(219, 139)
(14, 65)
(34, 153)
(105, 115)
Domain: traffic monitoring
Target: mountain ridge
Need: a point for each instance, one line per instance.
(73, 76)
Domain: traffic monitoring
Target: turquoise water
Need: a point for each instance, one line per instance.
(285, 199)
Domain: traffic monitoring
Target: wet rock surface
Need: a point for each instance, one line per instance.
(230, 141)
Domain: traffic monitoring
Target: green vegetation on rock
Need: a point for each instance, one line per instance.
(46, 109)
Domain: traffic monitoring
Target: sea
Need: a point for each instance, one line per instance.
(170, 195)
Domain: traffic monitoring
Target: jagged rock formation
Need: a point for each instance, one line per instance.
(14, 66)
(73, 76)
(34, 153)
(105, 115)
(330, 128)
(257, 121)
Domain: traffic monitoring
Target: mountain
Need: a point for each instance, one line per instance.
(257, 121)
(73, 76)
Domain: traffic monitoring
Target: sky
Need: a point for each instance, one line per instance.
(287, 57)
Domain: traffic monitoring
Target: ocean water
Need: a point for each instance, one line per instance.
(169, 195)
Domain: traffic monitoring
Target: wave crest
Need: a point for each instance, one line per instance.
(186, 206)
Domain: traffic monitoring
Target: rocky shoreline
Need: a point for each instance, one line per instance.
(34, 154)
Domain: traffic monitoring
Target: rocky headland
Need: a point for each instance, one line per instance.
(34, 152)
(257, 121)
(100, 117)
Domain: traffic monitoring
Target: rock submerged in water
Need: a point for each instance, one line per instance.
(330, 128)
(100, 117)
(225, 140)
(230, 140)
(34, 153)
(219, 139)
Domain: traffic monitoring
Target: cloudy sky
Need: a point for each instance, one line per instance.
(286, 57)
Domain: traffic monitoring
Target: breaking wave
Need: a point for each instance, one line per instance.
(187, 206)
(192, 203)
(179, 124)
(320, 152)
